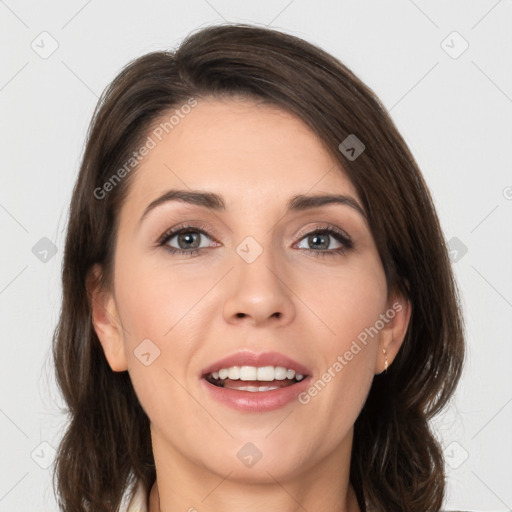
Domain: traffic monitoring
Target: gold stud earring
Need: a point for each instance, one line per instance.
(386, 359)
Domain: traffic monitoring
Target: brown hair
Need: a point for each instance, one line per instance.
(396, 461)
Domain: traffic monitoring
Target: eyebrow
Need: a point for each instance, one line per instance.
(215, 202)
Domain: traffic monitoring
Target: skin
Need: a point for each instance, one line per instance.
(256, 156)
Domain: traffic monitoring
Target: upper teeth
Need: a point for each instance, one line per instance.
(263, 373)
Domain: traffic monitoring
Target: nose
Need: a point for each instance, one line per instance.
(258, 293)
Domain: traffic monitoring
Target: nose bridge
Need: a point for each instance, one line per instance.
(257, 284)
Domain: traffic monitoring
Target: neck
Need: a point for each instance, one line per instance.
(350, 504)
(183, 485)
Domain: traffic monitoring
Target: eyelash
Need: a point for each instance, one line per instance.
(338, 235)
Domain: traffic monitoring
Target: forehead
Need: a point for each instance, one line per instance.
(248, 152)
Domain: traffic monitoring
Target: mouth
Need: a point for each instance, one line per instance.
(254, 379)
(255, 372)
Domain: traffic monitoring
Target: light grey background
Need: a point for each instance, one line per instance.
(454, 110)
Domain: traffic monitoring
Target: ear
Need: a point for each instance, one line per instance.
(105, 320)
(396, 319)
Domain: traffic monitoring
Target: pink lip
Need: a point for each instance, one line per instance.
(258, 401)
(247, 358)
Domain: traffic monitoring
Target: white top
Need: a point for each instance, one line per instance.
(137, 503)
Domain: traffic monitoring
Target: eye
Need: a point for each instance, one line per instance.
(188, 240)
(319, 239)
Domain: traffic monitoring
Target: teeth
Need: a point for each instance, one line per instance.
(280, 373)
(262, 373)
(248, 373)
(234, 373)
(255, 389)
(267, 373)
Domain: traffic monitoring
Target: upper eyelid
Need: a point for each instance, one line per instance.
(323, 227)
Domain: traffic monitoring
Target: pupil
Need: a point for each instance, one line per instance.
(187, 238)
(313, 238)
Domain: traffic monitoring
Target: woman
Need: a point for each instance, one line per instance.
(258, 308)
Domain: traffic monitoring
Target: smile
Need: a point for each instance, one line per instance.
(251, 378)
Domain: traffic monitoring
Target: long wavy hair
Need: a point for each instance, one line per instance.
(396, 461)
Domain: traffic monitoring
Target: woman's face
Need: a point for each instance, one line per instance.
(261, 282)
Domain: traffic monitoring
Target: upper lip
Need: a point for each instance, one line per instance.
(247, 358)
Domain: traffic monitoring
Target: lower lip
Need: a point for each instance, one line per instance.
(257, 401)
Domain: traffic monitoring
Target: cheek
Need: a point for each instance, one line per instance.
(170, 306)
(157, 310)
(347, 299)
(156, 301)
(349, 304)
